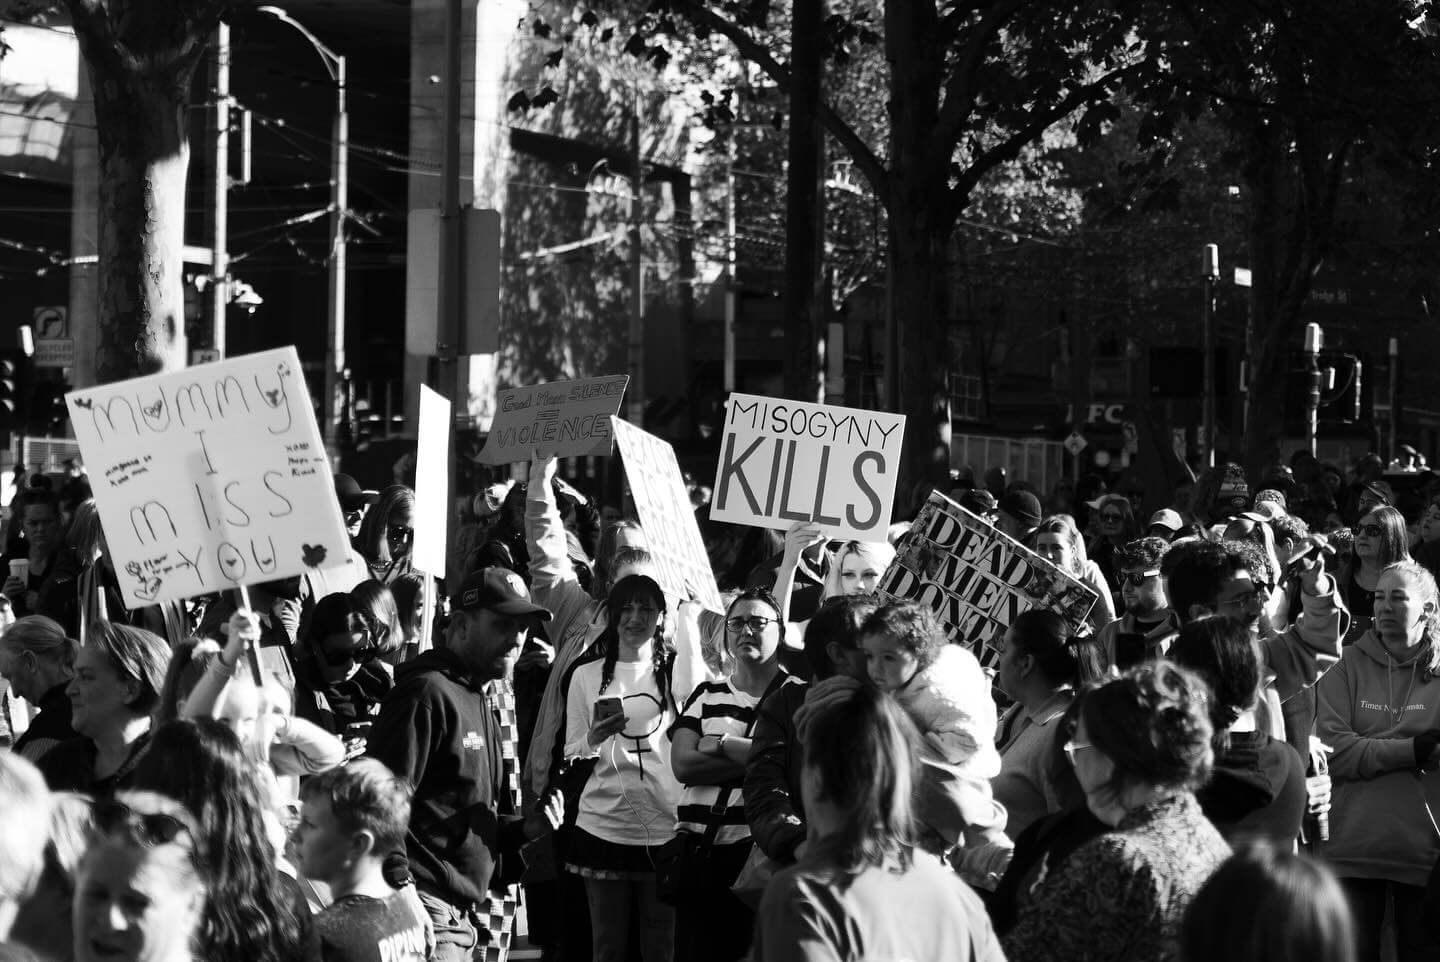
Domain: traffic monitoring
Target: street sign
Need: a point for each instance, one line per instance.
(50, 323)
(1076, 443)
(53, 345)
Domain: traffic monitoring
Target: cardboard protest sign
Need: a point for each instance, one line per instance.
(787, 461)
(210, 478)
(664, 506)
(432, 484)
(977, 579)
(562, 418)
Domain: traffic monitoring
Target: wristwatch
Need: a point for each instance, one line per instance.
(720, 745)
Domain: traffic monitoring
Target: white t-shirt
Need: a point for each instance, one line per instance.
(631, 797)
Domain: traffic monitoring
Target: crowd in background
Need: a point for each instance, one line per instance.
(1233, 758)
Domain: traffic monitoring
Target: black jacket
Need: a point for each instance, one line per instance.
(436, 728)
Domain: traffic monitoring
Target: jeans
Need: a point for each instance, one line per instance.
(1368, 898)
(611, 902)
(455, 933)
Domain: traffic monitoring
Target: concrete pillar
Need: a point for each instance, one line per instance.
(489, 29)
(84, 234)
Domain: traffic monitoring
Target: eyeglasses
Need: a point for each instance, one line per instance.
(1111, 517)
(1370, 530)
(754, 624)
(1071, 747)
(335, 657)
(1137, 578)
(147, 828)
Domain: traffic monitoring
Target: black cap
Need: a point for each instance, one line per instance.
(350, 495)
(1023, 507)
(500, 590)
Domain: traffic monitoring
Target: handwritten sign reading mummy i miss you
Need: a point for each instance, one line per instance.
(563, 418)
(210, 478)
(977, 579)
(788, 461)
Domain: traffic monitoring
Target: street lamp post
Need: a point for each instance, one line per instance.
(333, 404)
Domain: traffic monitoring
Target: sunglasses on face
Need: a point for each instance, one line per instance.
(1112, 518)
(1137, 578)
(336, 657)
(147, 828)
(755, 624)
(1370, 530)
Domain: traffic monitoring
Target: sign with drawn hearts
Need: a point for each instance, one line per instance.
(210, 478)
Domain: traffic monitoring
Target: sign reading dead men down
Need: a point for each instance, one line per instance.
(664, 505)
(210, 478)
(788, 461)
(562, 418)
(977, 579)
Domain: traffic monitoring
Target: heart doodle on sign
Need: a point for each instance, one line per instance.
(132, 568)
(273, 397)
(84, 402)
(148, 589)
(312, 554)
(153, 410)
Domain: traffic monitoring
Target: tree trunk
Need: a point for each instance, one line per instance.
(922, 214)
(142, 55)
(805, 300)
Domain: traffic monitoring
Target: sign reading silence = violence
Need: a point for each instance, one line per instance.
(976, 579)
(563, 419)
(787, 461)
(210, 478)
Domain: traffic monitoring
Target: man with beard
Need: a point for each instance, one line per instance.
(1147, 625)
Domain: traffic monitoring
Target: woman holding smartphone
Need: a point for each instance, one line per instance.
(619, 707)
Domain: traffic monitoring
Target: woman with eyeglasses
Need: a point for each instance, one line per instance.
(1380, 541)
(339, 678)
(143, 885)
(387, 533)
(710, 744)
(1380, 712)
(1058, 541)
(256, 913)
(619, 707)
(1141, 749)
(119, 672)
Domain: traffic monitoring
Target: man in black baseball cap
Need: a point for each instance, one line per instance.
(440, 729)
(1019, 514)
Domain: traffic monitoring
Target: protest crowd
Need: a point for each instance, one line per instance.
(1193, 725)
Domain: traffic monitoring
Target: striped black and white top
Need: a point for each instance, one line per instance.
(715, 708)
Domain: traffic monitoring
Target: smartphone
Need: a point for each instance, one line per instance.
(608, 708)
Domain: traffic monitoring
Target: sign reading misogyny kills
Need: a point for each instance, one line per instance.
(788, 461)
(977, 579)
(210, 478)
(562, 418)
(664, 505)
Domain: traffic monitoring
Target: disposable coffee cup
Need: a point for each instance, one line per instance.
(20, 569)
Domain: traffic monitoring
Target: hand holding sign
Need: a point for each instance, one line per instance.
(800, 538)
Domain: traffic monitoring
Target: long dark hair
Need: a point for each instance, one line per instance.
(1061, 658)
(629, 589)
(201, 764)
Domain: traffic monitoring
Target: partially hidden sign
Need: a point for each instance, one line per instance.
(432, 483)
(787, 461)
(210, 478)
(671, 533)
(977, 579)
(561, 419)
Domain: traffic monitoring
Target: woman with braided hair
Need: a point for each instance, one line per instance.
(1141, 748)
(619, 707)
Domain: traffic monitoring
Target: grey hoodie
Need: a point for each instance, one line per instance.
(1372, 706)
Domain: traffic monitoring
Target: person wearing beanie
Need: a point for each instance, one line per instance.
(1019, 514)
